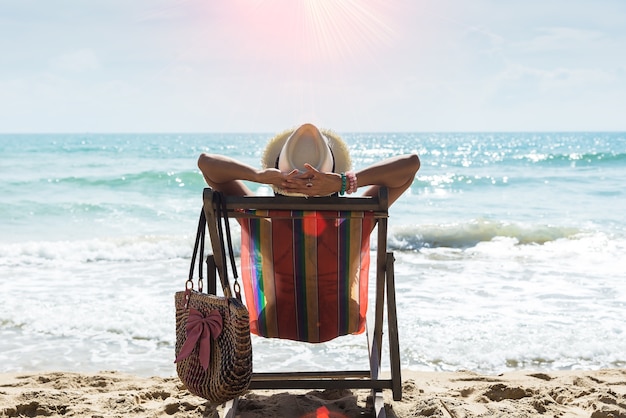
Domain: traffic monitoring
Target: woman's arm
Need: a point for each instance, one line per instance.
(226, 174)
(396, 173)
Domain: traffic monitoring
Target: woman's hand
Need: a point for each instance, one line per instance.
(275, 177)
(312, 182)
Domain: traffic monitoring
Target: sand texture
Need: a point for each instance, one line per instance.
(591, 394)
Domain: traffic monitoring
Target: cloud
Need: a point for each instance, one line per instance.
(77, 61)
(562, 38)
(556, 78)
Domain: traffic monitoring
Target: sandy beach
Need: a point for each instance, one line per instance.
(591, 394)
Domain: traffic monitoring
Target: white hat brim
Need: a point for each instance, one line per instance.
(339, 149)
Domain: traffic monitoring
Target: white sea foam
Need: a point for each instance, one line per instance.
(143, 248)
(496, 305)
(401, 237)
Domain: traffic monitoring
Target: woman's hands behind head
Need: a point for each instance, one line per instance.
(312, 182)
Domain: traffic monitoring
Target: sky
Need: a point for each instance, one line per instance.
(348, 65)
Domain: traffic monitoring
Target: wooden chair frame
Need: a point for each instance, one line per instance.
(349, 379)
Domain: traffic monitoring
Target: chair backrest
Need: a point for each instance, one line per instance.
(305, 273)
(305, 262)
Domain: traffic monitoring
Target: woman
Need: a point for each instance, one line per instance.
(309, 162)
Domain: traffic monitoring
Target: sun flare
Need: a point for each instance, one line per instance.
(307, 31)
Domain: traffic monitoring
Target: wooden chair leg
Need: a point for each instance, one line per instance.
(230, 408)
(379, 404)
(392, 323)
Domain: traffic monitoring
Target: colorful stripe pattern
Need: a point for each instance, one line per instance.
(305, 273)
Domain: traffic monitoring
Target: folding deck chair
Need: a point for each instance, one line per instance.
(286, 245)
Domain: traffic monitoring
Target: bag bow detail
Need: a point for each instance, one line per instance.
(200, 330)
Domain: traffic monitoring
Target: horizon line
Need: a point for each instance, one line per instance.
(273, 133)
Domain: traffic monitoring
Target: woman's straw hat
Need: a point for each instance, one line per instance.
(290, 149)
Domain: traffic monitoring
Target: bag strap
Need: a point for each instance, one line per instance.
(199, 243)
(222, 219)
(198, 248)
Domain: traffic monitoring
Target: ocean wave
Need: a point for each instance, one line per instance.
(450, 180)
(124, 249)
(139, 180)
(469, 234)
(150, 248)
(575, 158)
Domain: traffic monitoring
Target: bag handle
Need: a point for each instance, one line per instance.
(198, 248)
(222, 218)
(200, 234)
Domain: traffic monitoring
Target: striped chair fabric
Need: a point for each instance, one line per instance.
(305, 273)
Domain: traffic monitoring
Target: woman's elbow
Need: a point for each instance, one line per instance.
(413, 163)
(204, 161)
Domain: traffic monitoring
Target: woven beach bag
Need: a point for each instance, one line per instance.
(230, 362)
(213, 346)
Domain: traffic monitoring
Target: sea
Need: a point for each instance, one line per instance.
(510, 251)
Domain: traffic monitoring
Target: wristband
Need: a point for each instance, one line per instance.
(343, 184)
(352, 182)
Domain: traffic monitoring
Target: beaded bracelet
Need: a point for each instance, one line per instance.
(353, 184)
(343, 184)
